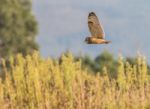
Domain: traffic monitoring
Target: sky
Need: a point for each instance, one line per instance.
(63, 26)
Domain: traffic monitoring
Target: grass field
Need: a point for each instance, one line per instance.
(37, 83)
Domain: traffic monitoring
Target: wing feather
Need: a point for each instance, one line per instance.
(95, 26)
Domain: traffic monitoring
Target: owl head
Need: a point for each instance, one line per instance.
(87, 39)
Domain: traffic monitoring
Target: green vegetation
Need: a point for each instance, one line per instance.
(97, 65)
(105, 59)
(17, 28)
(32, 82)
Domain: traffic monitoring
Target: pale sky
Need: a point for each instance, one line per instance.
(63, 26)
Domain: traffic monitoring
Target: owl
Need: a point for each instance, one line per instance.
(96, 30)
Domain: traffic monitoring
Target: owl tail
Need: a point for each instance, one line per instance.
(107, 42)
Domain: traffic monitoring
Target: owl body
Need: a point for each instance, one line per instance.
(93, 40)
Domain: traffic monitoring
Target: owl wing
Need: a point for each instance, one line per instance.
(95, 27)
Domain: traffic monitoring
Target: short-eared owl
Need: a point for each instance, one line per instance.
(96, 30)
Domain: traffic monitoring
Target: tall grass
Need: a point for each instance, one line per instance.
(36, 83)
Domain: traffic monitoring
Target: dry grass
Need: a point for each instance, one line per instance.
(36, 83)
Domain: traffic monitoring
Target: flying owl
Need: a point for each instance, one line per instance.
(96, 31)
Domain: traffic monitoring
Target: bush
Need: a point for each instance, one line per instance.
(32, 82)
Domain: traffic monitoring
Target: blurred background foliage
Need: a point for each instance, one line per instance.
(105, 59)
(18, 28)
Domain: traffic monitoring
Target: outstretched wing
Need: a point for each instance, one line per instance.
(95, 27)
